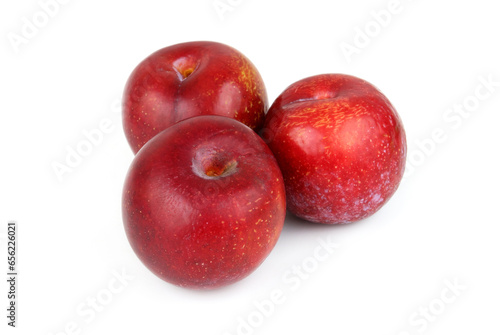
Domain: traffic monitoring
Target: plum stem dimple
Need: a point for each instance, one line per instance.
(213, 165)
(186, 72)
(215, 169)
(184, 67)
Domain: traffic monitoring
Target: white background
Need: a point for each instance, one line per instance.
(441, 226)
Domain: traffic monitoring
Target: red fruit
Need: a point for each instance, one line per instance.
(204, 202)
(341, 147)
(191, 79)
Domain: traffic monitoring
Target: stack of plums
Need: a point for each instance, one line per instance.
(216, 169)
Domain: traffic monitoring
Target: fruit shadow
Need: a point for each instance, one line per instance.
(295, 225)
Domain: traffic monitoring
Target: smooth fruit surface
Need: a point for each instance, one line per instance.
(191, 79)
(341, 147)
(204, 202)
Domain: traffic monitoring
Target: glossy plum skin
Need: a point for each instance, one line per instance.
(204, 202)
(190, 79)
(341, 147)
